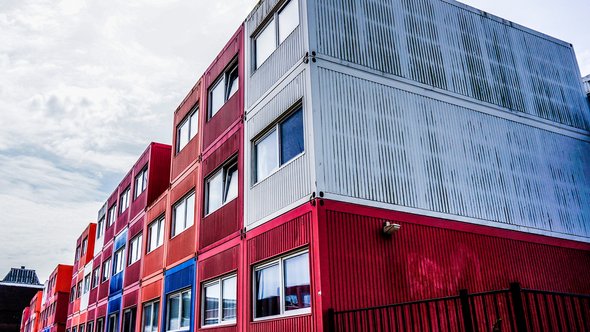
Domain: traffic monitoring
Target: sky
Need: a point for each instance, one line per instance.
(86, 85)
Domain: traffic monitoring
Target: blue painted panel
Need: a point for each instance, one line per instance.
(120, 240)
(116, 283)
(179, 278)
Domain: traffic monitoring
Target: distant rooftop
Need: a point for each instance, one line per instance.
(21, 276)
(586, 81)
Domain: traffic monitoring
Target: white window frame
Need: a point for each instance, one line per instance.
(84, 245)
(106, 268)
(100, 322)
(114, 315)
(95, 278)
(133, 311)
(192, 130)
(168, 297)
(118, 264)
(218, 281)
(112, 215)
(186, 225)
(158, 224)
(90, 326)
(157, 310)
(280, 261)
(275, 20)
(135, 249)
(140, 182)
(87, 282)
(100, 227)
(276, 127)
(223, 170)
(224, 80)
(124, 200)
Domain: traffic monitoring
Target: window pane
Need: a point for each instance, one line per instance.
(153, 236)
(266, 156)
(190, 211)
(232, 83)
(268, 291)
(231, 183)
(216, 97)
(147, 318)
(214, 197)
(173, 312)
(155, 312)
(292, 136)
(194, 124)
(186, 309)
(211, 314)
(265, 43)
(229, 299)
(160, 232)
(288, 19)
(182, 136)
(297, 288)
(178, 215)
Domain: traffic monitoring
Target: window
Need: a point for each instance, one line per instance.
(112, 217)
(221, 91)
(179, 311)
(150, 316)
(73, 293)
(219, 301)
(81, 328)
(183, 214)
(78, 253)
(135, 249)
(118, 259)
(113, 320)
(100, 325)
(84, 245)
(275, 32)
(100, 228)
(86, 283)
(106, 269)
(95, 277)
(124, 200)
(187, 129)
(155, 234)
(129, 320)
(140, 183)
(79, 289)
(74, 329)
(89, 326)
(221, 187)
(282, 286)
(281, 144)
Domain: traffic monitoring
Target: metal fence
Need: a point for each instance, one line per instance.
(513, 309)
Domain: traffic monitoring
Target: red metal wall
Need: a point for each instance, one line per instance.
(109, 233)
(153, 262)
(158, 172)
(430, 257)
(183, 245)
(132, 272)
(123, 218)
(103, 288)
(190, 153)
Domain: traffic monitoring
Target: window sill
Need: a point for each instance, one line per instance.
(221, 206)
(276, 170)
(226, 324)
(176, 235)
(290, 314)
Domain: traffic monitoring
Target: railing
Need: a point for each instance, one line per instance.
(514, 309)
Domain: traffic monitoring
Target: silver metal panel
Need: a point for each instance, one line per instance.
(388, 145)
(586, 82)
(293, 181)
(287, 54)
(450, 46)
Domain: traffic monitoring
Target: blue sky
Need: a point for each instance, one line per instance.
(86, 85)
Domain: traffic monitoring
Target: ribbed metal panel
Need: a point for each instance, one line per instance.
(450, 46)
(392, 146)
(284, 57)
(219, 264)
(293, 181)
(421, 262)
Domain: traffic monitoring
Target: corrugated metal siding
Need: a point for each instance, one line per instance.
(289, 52)
(293, 181)
(388, 145)
(131, 298)
(219, 264)
(151, 291)
(451, 47)
(295, 324)
(420, 262)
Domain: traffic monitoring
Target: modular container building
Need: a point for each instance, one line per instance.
(54, 309)
(33, 314)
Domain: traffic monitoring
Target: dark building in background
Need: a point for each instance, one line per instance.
(16, 290)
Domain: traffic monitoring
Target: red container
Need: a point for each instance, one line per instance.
(183, 245)
(152, 263)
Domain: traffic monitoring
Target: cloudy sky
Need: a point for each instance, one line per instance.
(85, 85)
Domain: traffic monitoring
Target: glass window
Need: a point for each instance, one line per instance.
(183, 214)
(79, 289)
(124, 200)
(100, 325)
(106, 268)
(129, 320)
(265, 43)
(84, 245)
(281, 144)
(221, 187)
(81, 328)
(74, 329)
(87, 283)
(112, 217)
(95, 277)
(288, 19)
(150, 316)
(219, 301)
(135, 249)
(118, 259)
(113, 320)
(100, 228)
(283, 285)
(179, 306)
(140, 183)
(187, 129)
(90, 326)
(223, 89)
(72, 293)
(155, 234)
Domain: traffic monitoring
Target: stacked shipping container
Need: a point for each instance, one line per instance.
(319, 122)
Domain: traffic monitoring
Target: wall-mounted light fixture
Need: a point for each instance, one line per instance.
(390, 228)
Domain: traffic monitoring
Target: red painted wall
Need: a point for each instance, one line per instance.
(123, 217)
(132, 272)
(152, 263)
(103, 288)
(183, 245)
(109, 233)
